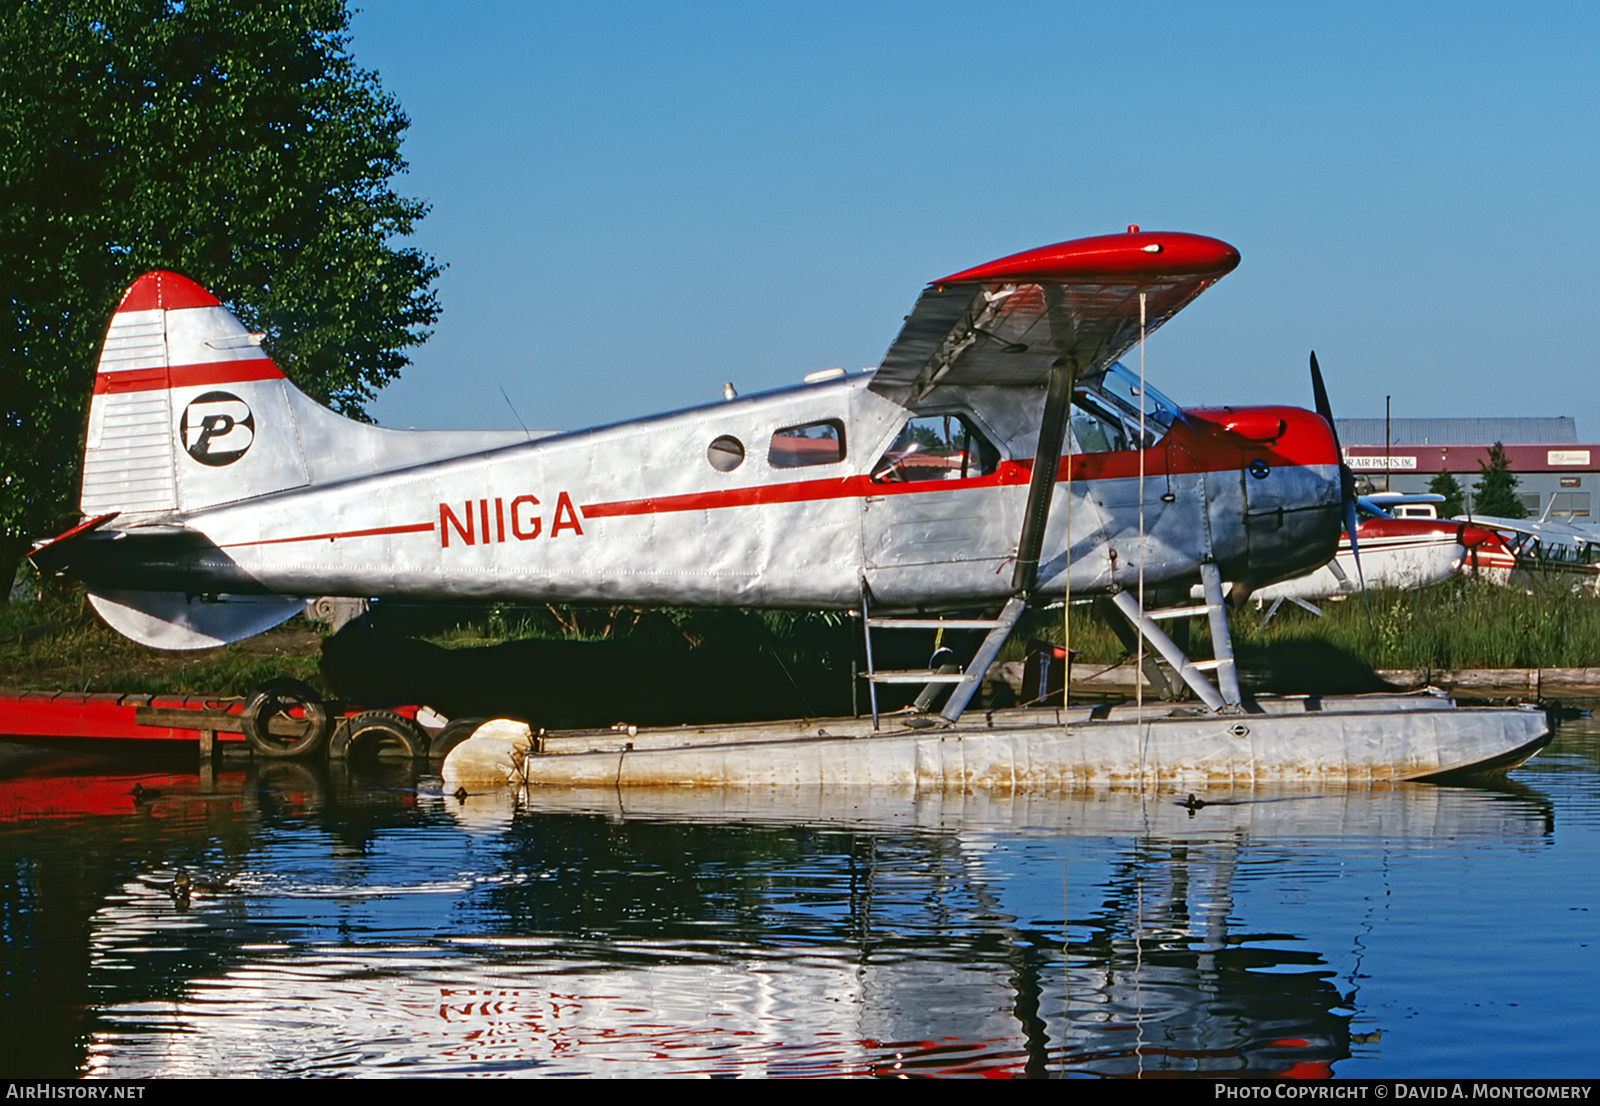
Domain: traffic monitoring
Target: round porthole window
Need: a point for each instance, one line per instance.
(726, 453)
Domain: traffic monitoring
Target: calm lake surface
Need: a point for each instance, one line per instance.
(366, 924)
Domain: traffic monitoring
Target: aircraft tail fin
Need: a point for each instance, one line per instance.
(188, 411)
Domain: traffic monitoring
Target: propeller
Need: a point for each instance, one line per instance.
(1347, 479)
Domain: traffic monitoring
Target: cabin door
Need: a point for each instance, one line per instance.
(939, 524)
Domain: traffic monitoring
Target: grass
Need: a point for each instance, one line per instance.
(1461, 623)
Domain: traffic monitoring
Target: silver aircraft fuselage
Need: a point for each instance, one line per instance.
(209, 478)
(635, 513)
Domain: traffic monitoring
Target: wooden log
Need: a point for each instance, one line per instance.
(1571, 683)
(182, 719)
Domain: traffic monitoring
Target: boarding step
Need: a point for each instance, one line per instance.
(962, 684)
(1191, 611)
(934, 623)
(916, 676)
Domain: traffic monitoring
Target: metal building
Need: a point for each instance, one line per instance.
(1556, 473)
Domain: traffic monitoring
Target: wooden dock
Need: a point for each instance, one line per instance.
(211, 722)
(114, 716)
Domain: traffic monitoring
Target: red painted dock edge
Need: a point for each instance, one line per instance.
(110, 715)
(107, 715)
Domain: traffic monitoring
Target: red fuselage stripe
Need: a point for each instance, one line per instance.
(1185, 451)
(800, 491)
(377, 531)
(1193, 453)
(186, 376)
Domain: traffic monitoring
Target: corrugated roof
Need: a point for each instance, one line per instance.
(1540, 431)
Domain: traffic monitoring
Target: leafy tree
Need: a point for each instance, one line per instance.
(1495, 492)
(234, 141)
(1454, 497)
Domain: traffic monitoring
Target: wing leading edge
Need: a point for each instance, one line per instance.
(1073, 305)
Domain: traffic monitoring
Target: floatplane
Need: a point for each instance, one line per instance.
(1000, 453)
(1542, 553)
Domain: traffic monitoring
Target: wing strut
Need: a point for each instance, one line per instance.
(1042, 485)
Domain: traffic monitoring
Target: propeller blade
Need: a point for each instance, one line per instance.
(1347, 479)
(1351, 524)
(1319, 394)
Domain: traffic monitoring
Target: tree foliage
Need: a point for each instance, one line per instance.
(1495, 493)
(1454, 497)
(235, 142)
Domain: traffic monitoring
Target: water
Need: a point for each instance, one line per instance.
(343, 923)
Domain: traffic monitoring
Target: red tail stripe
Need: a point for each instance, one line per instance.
(186, 376)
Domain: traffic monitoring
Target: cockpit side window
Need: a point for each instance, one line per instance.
(936, 447)
(814, 443)
(1106, 407)
(1096, 430)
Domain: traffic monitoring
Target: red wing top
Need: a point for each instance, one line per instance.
(1007, 322)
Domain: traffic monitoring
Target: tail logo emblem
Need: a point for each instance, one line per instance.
(217, 428)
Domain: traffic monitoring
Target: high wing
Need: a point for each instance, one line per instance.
(1557, 532)
(1044, 319)
(1073, 305)
(1382, 501)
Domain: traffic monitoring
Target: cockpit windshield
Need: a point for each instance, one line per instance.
(1105, 412)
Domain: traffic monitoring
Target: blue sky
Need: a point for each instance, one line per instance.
(638, 202)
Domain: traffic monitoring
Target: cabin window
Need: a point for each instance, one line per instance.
(725, 453)
(936, 447)
(814, 443)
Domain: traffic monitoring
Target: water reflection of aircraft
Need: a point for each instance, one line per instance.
(657, 932)
(999, 451)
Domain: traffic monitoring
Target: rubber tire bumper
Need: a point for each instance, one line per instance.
(376, 730)
(276, 698)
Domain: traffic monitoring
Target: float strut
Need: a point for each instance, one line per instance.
(1187, 672)
(1221, 640)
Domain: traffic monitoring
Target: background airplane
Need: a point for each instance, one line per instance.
(1525, 553)
(1390, 553)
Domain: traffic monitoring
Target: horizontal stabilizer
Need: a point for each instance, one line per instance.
(173, 620)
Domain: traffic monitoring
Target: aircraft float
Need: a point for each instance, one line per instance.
(999, 453)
